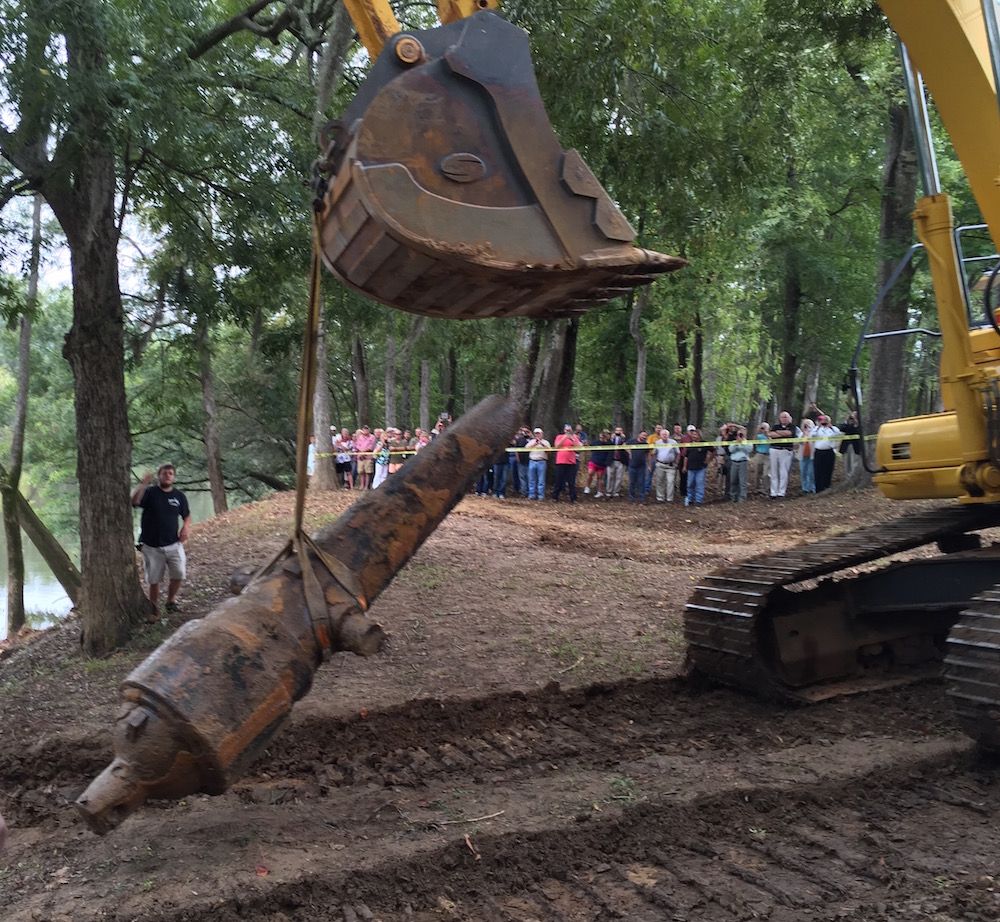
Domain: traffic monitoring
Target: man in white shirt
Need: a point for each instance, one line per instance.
(665, 466)
(824, 451)
(781, 451)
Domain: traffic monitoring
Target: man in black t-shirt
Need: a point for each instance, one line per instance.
(160, 541)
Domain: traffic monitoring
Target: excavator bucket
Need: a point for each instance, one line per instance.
(449, 194)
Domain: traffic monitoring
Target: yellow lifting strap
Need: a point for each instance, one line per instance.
(299, 542)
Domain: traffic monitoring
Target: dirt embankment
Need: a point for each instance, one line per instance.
(523, 750)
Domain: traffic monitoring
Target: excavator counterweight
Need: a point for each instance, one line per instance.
(448, 193)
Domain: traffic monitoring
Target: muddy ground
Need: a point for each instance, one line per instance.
(523, 750)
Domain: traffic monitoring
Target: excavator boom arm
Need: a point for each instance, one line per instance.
(376, 22)
(947, 41)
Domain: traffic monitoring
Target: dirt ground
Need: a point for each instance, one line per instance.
(524, 749)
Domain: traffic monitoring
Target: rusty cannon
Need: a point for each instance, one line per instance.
(206, 703)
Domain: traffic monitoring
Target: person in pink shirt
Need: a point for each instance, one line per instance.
(364, 445)
(566, 445)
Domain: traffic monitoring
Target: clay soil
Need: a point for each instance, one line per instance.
(525, 749)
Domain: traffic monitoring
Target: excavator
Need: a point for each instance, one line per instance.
(444, 191)
(804, 624)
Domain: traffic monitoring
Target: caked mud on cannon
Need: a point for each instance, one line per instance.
(206, 703)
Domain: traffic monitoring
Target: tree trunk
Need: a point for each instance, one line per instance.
(791, 312)
(52, 552)
(449, 373)
(360, 369)
(9, 487)
(567, 371)
(617, 406)
(405, 363)
(550, 402)
(681, 338)
(425, 395)
(390, 380)
(325, 475)
(812, 387)
(886, 393)
(522, 382)
(698, 372)
(111, 599)
(210, 427)
(468, 392)
(142, 340)
(256, 331)
(635, 328)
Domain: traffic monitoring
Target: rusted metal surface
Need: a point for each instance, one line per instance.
(205, 704)
(745, 628)
(450, 195)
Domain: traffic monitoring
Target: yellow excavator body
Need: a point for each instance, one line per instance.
(845, 613)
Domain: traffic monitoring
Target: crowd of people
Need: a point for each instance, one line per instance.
(665, 464)
(363, 459)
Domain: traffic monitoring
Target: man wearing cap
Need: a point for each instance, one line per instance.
(685, 439)
(824, 451)
(538, 449)
(160, 541)
(566, 445)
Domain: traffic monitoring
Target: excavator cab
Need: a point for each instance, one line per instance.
(448, 193)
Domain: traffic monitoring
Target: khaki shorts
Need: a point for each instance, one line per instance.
(158, 561)
(366, 467)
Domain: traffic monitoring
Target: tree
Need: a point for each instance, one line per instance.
(94, 90)
(886, 393)
(9, 486)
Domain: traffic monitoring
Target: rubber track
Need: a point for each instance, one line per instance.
(972, 668)
(724, 619)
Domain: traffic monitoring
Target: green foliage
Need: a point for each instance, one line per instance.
(745, 136)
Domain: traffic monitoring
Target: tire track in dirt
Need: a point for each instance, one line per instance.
(865, 849)
(597, 726)
(644, 800)
(515, 735)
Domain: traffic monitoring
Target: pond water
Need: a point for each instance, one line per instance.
(44, 599)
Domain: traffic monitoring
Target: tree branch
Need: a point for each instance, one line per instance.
(239, 23)
(12, 189)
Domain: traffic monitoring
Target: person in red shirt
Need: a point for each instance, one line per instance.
(566, 445)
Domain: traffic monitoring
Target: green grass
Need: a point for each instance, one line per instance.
(427, 576)
(623, 788)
